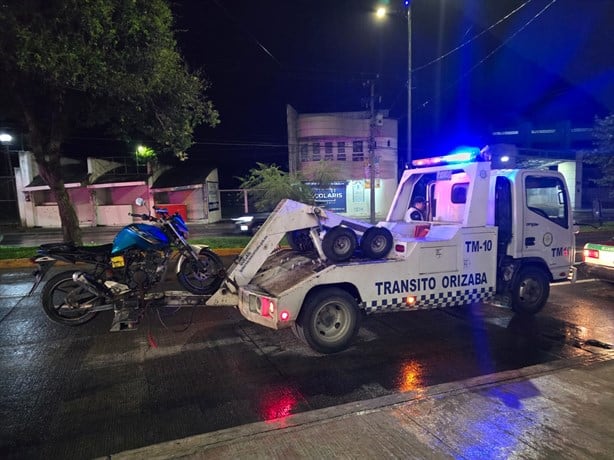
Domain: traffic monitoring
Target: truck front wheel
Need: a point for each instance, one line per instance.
(530, 291)
(328, 321)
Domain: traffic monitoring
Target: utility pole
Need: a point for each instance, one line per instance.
(372, 152)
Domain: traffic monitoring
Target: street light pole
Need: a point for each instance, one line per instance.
(409, 146)
(381, 12)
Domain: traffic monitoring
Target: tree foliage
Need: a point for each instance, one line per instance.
(324, 174)
(602, 154)
(112, 64)
(268, 184)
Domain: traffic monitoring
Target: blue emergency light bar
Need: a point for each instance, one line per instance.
(458, 155)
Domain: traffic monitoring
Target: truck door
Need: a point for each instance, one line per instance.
(503, 214)
(547, 225)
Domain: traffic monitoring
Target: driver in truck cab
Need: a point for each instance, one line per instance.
(416, 210)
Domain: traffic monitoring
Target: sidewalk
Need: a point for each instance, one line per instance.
(562, 409)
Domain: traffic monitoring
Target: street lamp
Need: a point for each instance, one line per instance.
(381, 12)
(6, 139)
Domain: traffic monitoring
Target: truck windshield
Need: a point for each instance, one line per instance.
(546, 197)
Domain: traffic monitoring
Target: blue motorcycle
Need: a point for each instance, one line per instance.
(126, 275)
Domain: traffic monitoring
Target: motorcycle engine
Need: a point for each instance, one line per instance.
(143, 269)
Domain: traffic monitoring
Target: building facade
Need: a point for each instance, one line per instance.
(103, 192)
(345, 146)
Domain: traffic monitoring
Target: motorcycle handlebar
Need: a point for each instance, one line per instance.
(142, 216)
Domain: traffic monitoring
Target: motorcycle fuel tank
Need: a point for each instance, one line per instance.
(141, 236)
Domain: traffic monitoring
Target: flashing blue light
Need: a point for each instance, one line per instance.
(458, 155)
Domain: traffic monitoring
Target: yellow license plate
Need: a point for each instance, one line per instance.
(117, 261)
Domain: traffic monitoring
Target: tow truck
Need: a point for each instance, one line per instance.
(488, 233)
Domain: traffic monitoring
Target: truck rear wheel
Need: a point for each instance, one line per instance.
(530, 291)
(376, 242)
(339, 244)
(328, 321)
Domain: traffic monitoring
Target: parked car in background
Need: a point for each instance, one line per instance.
(598, 260)
(250, 223)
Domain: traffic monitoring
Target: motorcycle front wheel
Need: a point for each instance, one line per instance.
(203, 277)
(66, 302)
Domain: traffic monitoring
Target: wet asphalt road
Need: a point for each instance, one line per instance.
(85, 392)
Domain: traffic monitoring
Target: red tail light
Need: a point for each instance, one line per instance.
(267, 306)
(591, 254)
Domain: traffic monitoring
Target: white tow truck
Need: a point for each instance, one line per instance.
(505, 233)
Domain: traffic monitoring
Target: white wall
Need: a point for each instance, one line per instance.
(115, 215)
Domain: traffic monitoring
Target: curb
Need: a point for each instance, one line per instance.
(16, 263)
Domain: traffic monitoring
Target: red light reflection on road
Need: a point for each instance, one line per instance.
(277, 403)
(410, 377)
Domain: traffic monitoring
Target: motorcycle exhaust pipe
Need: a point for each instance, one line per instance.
(91, 284)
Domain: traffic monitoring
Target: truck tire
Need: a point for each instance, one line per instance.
(530, 291)
(339, 244)
(300, 240)
(328, 321)
(376, 242)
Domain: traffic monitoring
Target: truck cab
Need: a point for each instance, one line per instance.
(530, 209)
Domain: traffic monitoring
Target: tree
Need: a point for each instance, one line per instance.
(110, 64)
(602, 154)
(269, 185)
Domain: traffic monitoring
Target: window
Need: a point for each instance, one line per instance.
(547, 198)
(341, 151)
(316, 151)
(459, 193)
(304, 153)
(328, 151)
(357, 152)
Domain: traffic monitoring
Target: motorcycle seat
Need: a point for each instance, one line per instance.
(71, 247)
(100, 249)
(57, 247)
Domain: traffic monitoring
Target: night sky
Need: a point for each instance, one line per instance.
(548, 62)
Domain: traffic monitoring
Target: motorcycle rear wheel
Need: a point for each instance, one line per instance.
(204, 278)
(66, 302)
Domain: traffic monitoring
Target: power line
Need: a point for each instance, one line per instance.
(248, 33)
(472, 39)
(497, 48)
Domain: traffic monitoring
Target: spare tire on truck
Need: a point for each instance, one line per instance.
(339, 244)
(376, 242)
